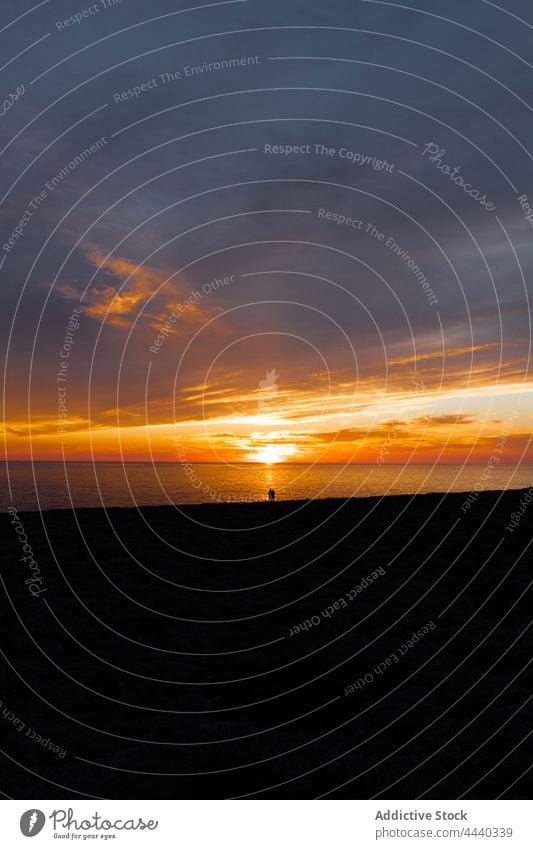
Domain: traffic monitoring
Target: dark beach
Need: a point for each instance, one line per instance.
(267, 650)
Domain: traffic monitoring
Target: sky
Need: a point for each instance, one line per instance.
(283, 232)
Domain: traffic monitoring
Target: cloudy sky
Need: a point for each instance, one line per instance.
(266, 231)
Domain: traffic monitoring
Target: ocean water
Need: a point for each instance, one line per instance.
(48, 486)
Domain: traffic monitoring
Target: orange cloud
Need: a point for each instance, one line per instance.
(124, 288)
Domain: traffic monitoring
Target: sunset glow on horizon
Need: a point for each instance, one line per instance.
(432, 407)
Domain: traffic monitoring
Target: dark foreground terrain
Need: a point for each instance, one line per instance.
(235, 650)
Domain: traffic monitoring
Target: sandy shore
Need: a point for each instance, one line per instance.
(360, 648)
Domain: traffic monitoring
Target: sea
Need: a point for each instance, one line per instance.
(50, 486)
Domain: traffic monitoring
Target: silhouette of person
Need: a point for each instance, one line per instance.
(271, 495)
